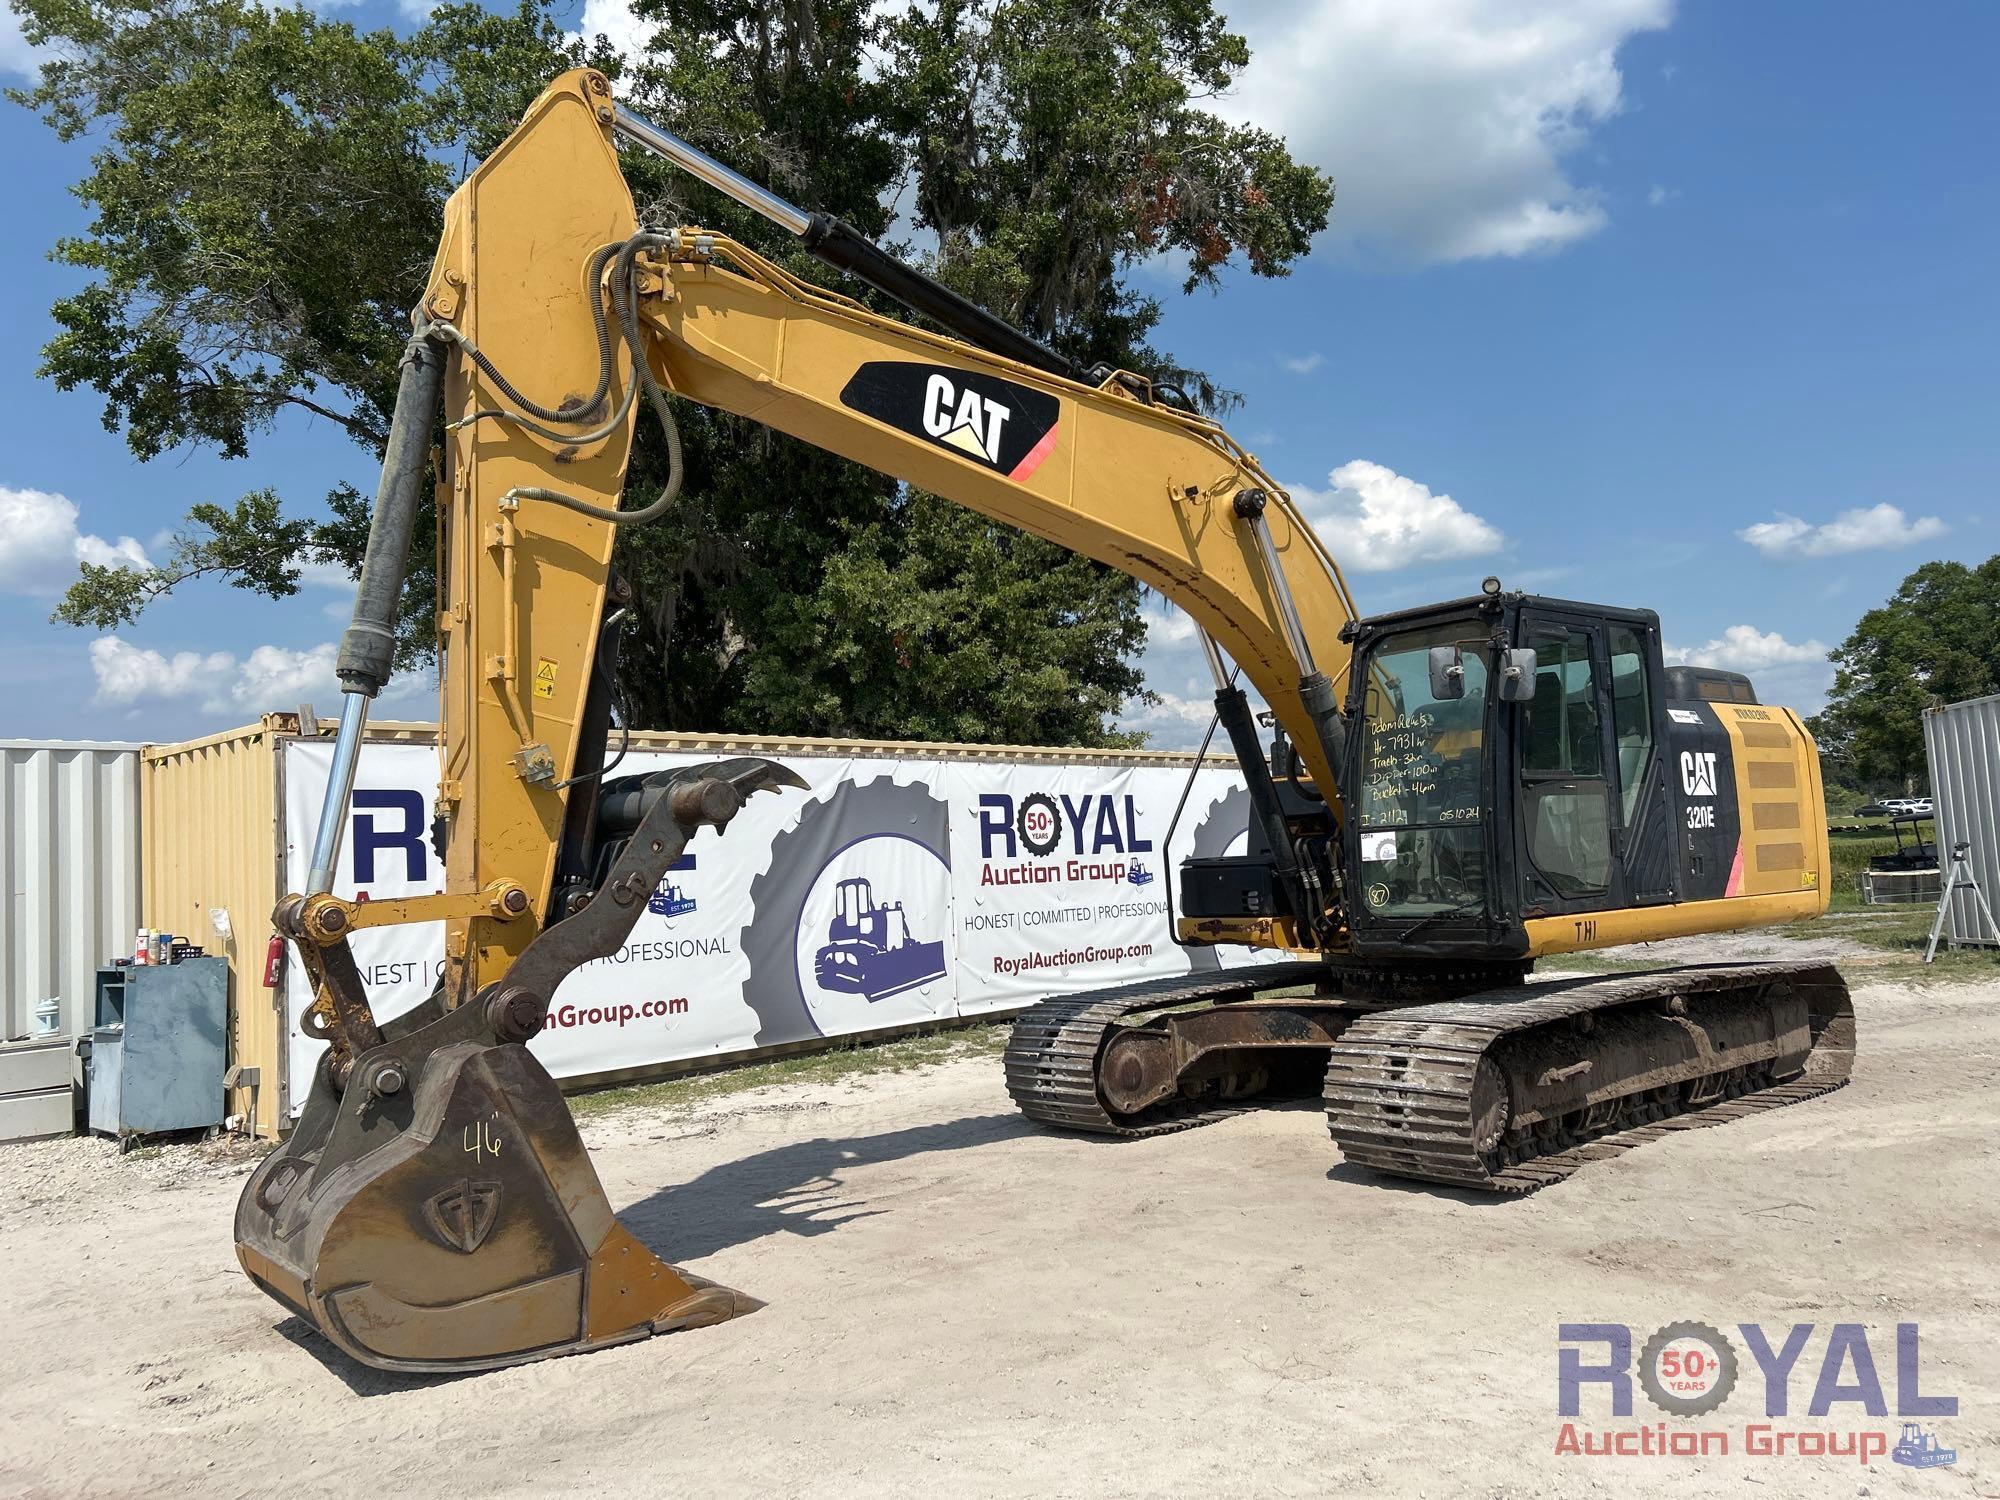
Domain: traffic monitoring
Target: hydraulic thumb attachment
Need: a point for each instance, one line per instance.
(435, 1209)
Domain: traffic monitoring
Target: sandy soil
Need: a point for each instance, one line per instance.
(966, 1304)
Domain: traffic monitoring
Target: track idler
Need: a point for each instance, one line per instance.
(435, 1209)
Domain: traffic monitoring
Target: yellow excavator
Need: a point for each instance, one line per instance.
(1450, 792)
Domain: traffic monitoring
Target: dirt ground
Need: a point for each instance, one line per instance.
(964, 1304)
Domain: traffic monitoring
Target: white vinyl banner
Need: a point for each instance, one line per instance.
(889, 892)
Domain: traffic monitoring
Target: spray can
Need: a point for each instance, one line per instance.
(142, 947)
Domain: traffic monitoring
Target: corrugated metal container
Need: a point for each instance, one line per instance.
(1963, 743)
(69, 874)
(214, 837)
(214, 841)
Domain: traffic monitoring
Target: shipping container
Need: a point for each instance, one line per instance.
(69, 884)
(1962, 741)
(215, 813)
(213, 860)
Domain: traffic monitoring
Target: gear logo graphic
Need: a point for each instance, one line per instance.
(833, 931)
(1226, 822)
(1687, 1369)
(1039, 823)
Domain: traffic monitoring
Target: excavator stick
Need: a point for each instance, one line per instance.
(435, 1209)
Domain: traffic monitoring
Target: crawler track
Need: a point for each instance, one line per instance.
(1052, 1056)
(1412, 1092)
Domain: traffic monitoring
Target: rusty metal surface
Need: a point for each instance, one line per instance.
(1226, 1049)
(435, 1209)
(1509, 1093)
(1052, 1056)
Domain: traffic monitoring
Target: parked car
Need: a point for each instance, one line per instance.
(1871, 810)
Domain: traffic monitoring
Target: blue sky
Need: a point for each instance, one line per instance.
(1685, 307)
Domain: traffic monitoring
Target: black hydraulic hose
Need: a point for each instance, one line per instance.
(571, 412)
(368, 650)
(625, 302)
(1173, 927)
(1232, 707)
(844, 247)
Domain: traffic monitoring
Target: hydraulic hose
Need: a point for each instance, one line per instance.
(368, 650)
(625, 303)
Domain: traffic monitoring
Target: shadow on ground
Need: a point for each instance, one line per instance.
(797, 1188)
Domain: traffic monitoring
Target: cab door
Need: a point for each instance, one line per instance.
(1591, 803)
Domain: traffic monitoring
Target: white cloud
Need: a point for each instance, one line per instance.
(270, 677)
(1794, 673)
(40, 545)
(1857, 530)
(1169, 629)
(123, 553)
(326, 574)
(612, 19)
(1745, 648)
(274, 675)
(1448, 126)
(1173, 723)
(1660, 196)
(16, 56)
(1374, 519)
(127, 674)
(1305, 364)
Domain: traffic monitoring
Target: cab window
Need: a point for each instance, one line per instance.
(1422, 790)
(1565, 797)
(1631, 716)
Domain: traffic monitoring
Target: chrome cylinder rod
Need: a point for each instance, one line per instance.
(1250, 505)
(1217, 667)
(339, 786)
(698, 163)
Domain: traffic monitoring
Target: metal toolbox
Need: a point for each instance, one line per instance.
(156, 1054)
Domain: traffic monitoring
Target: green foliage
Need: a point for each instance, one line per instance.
(936, 630)
(252, 544)
(1936, 640)
(266, 190)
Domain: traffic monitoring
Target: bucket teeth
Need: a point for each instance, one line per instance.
(468, 1233)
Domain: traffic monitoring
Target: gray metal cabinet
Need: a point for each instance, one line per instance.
(156, 1054)
(35, 1094)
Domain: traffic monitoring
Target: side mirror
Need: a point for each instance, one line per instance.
(1447, 673)
(1517, 677)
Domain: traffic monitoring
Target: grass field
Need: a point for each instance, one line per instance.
(1851, 852)
(860, 1058)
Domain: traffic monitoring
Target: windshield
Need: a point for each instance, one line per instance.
(1423, 791)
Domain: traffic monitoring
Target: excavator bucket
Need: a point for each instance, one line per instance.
(435, 1210)
(473, 1234)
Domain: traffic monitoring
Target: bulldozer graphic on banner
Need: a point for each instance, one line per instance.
(869, 949)
(670, 900)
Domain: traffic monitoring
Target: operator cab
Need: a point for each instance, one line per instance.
(1505, 761)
